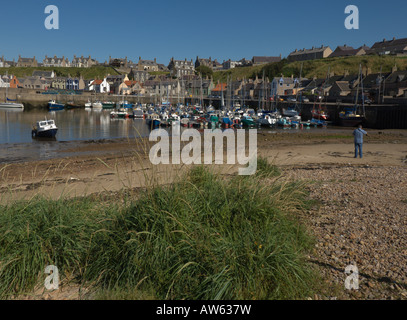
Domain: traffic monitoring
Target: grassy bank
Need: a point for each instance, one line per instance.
(315, 68)
(202, 237)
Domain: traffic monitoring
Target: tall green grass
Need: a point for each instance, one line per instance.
(202, 237)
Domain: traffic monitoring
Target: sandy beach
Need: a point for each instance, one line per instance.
(361, 217)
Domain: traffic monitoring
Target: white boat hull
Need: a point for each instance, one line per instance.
(8, 105)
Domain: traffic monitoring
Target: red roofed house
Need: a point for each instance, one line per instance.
(217, 91)
(99, 86)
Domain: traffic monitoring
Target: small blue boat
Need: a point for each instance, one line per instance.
(53, 105)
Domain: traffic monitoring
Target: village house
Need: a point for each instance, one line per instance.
(139, 75)
(262, 89)
(219, 89)
(7, 64)
(180, 68)
(82, 62)
(147, 65)
(58, 83)
(229, 64)
(14, 83)
(340, 89)
(247, 90)
(75, 83)
(395, 84)
(35, 83)
(99, 86)
(56, 62)
(346, 51)
(256, 60)
(281, 86)
(393, 47)
(133, 87)
(193, 87)
(43, 74)
(115, 81)
(27, 62)
(4, 82)
(310, 54)
(213, 64)
(118, 62)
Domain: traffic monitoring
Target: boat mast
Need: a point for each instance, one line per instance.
(357, 90)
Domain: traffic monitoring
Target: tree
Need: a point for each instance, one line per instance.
(205, 71)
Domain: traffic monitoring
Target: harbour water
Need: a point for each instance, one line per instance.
(74, 127)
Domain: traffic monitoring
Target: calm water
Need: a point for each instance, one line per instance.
(74, 127)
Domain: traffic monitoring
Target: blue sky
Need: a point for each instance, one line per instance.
(221, 29)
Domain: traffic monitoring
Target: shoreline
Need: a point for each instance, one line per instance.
(359, 217)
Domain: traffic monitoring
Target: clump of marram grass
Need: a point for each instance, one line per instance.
(266, 169)
(202, 237)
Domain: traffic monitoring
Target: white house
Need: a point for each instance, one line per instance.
(4, 82)
(99, 86)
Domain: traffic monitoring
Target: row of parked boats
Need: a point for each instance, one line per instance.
(197, 116)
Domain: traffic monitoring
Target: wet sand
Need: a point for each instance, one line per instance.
(89, 167)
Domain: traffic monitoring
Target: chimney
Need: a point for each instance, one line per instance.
(394, 69)
(384, 40)
(394, 38)
(155, 60)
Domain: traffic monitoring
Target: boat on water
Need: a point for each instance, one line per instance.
(97, 105)
(290, 112)
(44, 129)
(267, 120)
(350, 118)
(125, 104)
(120, 114)
(153, 120)
(138, 114)
(72, 105)
(353, 116)
(108, 105)
(53, 105)
(11, 105)
(248, 121)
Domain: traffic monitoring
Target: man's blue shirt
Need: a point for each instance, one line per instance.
(358, 133)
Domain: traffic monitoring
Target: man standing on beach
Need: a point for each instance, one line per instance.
(358, 133)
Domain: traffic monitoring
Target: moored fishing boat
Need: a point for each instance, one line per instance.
(72, 105)
(107, 105)
(153, 120)
(11, 105)
(351, 116)
(119, 114)
(44, 129)
(53, 105)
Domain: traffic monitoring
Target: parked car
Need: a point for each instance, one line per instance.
(291, 99)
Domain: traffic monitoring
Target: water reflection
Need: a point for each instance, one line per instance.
(73, 125)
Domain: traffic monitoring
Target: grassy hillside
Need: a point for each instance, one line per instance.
(318, 68)
(87, 73)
